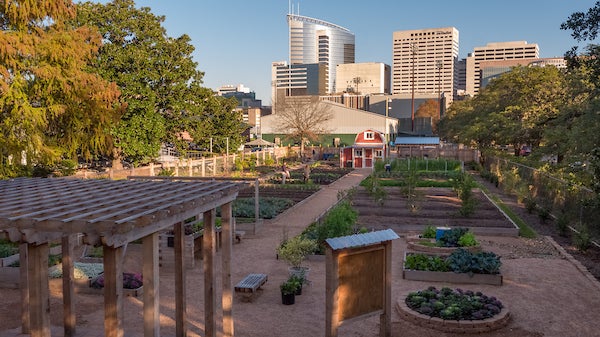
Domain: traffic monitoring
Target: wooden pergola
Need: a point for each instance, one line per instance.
(112, 213)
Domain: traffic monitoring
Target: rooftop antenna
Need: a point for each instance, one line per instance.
(290, 7)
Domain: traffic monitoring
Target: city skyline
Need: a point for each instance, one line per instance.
(237, 41)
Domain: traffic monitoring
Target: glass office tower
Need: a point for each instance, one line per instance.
(317, 41)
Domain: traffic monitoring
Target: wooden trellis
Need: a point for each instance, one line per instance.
(113, 213)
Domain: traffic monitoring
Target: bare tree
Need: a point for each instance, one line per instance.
(303, 118)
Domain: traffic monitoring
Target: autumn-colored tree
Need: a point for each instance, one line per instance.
(51, 105)
(302, 118)
(430, 108)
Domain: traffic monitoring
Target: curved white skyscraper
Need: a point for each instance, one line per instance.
(317, 41)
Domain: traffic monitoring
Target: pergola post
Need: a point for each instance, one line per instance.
(24, 285)
(208, 252)
(39, 309)
(68, 246)
(227, 247)
(180, 288)
(113, 291)
(150, 274)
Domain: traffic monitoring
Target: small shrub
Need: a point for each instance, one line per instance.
(582, 239)
(530, 204)
(8, 248)
(543, 213)
(294, 250)
(429, 232)
(166, 172)
(562, 224)
(467, 240)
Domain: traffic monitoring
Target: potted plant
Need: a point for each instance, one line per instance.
(299, 280)
(294, 251)
(288, 291)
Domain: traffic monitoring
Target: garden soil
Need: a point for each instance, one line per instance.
(547, 291)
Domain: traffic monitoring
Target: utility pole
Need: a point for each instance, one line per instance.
(412, 101)
(439, 65)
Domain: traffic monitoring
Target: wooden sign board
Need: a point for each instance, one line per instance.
(361, 282)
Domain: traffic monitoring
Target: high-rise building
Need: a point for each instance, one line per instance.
(297, 80)
(497, 51)
(424, 61)
(317, 41)
(363, 78)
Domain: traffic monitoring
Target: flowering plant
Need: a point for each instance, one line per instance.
(130, 281)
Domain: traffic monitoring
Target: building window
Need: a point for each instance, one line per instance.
(369, 135)
(358, 153)
(379, 153)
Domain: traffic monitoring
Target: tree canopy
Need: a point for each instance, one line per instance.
(513, 109)
(52, 106)
(158, 79)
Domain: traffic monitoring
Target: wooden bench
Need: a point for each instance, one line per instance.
(249, 285)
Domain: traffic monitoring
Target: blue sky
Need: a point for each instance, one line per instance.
(236, 40)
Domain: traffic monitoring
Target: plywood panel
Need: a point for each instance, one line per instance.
(361, 282)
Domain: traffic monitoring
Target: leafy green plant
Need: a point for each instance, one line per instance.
(289, 287)
(449, 304)
(530, 204)
(294, 250)
(464, 187)
(463, 261)
(429, 232)
(166, 172)
(425, 262)
(467, 240)
(562, 223)
(543, 213)
(339, 221)
(8, 248)
(269, 207)
(582, 239)
(450, 238)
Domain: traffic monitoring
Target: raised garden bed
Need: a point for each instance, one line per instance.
(461, 326)
(430, 273)
(416, 243)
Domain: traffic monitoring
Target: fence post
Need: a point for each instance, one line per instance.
(256, 203)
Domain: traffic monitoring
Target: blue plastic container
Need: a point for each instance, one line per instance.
(439, 231)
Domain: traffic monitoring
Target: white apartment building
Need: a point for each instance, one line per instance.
(363, 78)
(497, 51)
(317, 41)
(424, 61)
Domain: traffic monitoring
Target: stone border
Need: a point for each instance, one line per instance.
(574, 261)
(465, 326)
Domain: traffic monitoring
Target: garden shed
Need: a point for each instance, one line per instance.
(112, 213)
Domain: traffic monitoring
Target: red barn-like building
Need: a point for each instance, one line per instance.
(369, 146)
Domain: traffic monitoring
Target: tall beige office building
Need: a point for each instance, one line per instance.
(497, 51)
(424, 61)
(363, 78)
